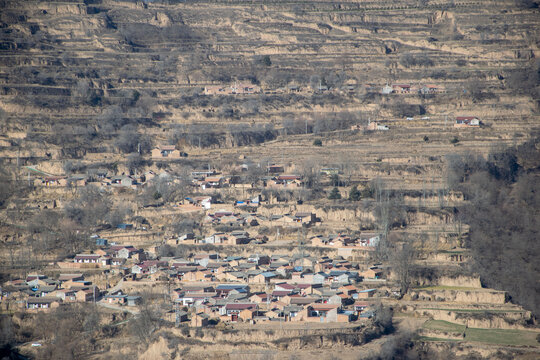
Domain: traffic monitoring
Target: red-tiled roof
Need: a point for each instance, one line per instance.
(286, 286)
(288, 177)
(235, 306)
(281, 292)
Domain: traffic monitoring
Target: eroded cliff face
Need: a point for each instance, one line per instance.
(74, 74)
(483, 296)
(175, 49)
(468, 350)
(486, 320)
(271, 342)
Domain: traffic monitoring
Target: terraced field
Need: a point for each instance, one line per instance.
(79, 77)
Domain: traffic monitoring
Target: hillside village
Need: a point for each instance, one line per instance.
(269, 180)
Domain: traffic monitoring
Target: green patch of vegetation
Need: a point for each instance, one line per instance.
(502, 336)
(452, 252)
(489, 336)
(477, 310)
(445, 326)
(430, 338)
(334, 194)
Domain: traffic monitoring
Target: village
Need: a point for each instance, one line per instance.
(209, 286)
(269, 180)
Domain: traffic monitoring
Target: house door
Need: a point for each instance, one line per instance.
(234, 317)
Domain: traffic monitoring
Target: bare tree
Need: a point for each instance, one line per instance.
(147, 321)
(135, 162)
(402, 259)
(310, 172)
(91, 206)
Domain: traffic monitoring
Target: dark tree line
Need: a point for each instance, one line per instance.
(503, 212)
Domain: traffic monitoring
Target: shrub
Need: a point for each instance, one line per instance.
(185, 331)
(334, 194)
(409, 60)
(317, 142)
(355, 194)
(367, 192)
(266, 61)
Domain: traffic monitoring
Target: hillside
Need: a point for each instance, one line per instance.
(370, 119)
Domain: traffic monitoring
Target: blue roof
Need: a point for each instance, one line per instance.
(101, 241)
(268, 274)
(231, 286)
(367, 314)
(367, 290)
(230, 258)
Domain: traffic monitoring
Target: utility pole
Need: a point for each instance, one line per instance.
(301, 241)
(18, 163)
(177, 314)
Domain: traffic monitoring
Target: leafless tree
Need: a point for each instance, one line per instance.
(310, 171)
(130, 141)
(147, 321)
(91, 206)
(402, 260)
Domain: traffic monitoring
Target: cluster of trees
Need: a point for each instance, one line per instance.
(503, 212)
(400, 108)
(525, 80)
(69, 230)
(142, 35)
(164, 190)
(399, 251)
(415, 60)
(130, 141)
(205, 135)
(69, 332)
(321, 123)
(7, 185)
